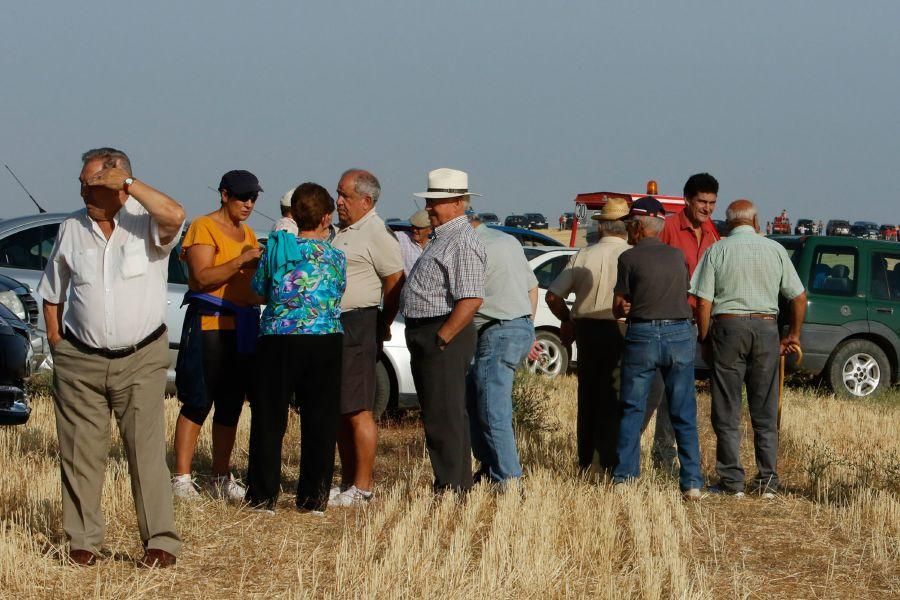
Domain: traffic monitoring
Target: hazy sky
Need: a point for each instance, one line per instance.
(791, 104)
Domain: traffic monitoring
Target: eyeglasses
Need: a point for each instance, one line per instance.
(251, 196)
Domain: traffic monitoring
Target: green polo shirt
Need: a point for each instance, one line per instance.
(744, 273)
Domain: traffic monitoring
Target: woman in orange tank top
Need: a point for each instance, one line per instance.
(221, 252)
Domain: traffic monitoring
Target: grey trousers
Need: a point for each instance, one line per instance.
(440, 378)
(86, 387)
(745, 352)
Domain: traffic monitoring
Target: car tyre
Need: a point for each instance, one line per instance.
(857, 369)
(554, 359)
(385, 397)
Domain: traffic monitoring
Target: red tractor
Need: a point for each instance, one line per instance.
(782, 224)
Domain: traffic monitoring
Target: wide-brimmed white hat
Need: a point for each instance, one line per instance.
(447, 183)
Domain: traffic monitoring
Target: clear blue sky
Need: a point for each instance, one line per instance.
(791, 104)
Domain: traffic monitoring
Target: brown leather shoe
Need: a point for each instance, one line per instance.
(154, 557)
(82, 558)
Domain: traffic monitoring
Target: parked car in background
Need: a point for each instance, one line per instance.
(516, 221)
(489, 218)
(888, 232)
(25, 246)
(865, 229)
(837, 227)
(806, 227)
(15, 367)
(536, 221)
(851, 333)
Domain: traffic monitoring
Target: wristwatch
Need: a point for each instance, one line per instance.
(128, 181)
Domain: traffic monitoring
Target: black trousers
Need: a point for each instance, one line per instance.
(600, 345)
(440, 378)
(309, 366)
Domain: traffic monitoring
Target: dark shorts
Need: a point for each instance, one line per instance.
(359, 358)
(228, 377)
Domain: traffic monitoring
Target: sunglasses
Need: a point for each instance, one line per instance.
(251, 196)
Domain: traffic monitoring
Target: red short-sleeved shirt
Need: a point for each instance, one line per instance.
(679, 233)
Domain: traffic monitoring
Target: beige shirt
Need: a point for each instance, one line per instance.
(114, 290)
(591, 274)
(372, 253)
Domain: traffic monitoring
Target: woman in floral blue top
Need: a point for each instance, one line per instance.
(302, 279)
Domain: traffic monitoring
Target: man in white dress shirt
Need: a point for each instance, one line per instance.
(108, 270)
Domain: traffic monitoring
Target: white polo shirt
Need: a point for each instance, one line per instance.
(114, 290)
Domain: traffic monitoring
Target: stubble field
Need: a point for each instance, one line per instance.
(834, 533)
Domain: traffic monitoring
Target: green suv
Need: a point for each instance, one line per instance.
(851, 334)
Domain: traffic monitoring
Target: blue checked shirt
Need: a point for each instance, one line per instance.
(451, 268)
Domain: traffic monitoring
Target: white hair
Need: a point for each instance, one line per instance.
(612, 228)
(650, 224)
(745, 213)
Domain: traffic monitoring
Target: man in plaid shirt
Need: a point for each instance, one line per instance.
(444, 291)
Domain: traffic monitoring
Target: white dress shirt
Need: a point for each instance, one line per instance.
(114, 290)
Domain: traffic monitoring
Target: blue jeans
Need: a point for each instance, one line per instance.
(669, 347)
(500, 350)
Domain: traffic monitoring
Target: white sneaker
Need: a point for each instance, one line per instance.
(227, 488)
(352, 496)
(768, 495)
(184, 487)
(334, 491)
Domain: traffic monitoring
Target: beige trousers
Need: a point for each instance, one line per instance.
(86, 388)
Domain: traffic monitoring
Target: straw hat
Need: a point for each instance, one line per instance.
(614, 209)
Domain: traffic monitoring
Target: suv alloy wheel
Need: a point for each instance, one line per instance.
(858, 368)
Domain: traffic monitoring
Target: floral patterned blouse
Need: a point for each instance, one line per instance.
(302, 286)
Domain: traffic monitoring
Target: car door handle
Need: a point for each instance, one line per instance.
(887, 311)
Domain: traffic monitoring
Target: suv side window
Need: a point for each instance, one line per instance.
(548, 271)
(29, 249)
(885, 276)
(834, 271)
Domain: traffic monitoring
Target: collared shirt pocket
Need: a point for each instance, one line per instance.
(83, 266)
(135, 261)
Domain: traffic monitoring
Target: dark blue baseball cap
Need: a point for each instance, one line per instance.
(240, 182)
(647, 206)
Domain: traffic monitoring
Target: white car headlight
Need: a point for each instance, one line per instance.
(13, 303)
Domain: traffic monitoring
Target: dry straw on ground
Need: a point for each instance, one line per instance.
(836, 533)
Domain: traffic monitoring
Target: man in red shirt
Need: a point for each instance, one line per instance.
(692, 231)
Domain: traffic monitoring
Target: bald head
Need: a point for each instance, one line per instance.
(741, 212)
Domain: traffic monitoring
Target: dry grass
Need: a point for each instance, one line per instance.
(836, 534)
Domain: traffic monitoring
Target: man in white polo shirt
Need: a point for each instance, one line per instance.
(374, 272)
(111, 352)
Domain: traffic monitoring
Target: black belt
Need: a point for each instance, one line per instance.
(487, 325)
(117, 352)
(417, 322)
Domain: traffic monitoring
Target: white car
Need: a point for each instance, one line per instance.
(394, 375)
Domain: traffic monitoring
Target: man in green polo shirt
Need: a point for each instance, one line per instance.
(737, 285)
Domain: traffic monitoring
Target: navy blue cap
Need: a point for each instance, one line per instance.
(240, 182)
(648, 206)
